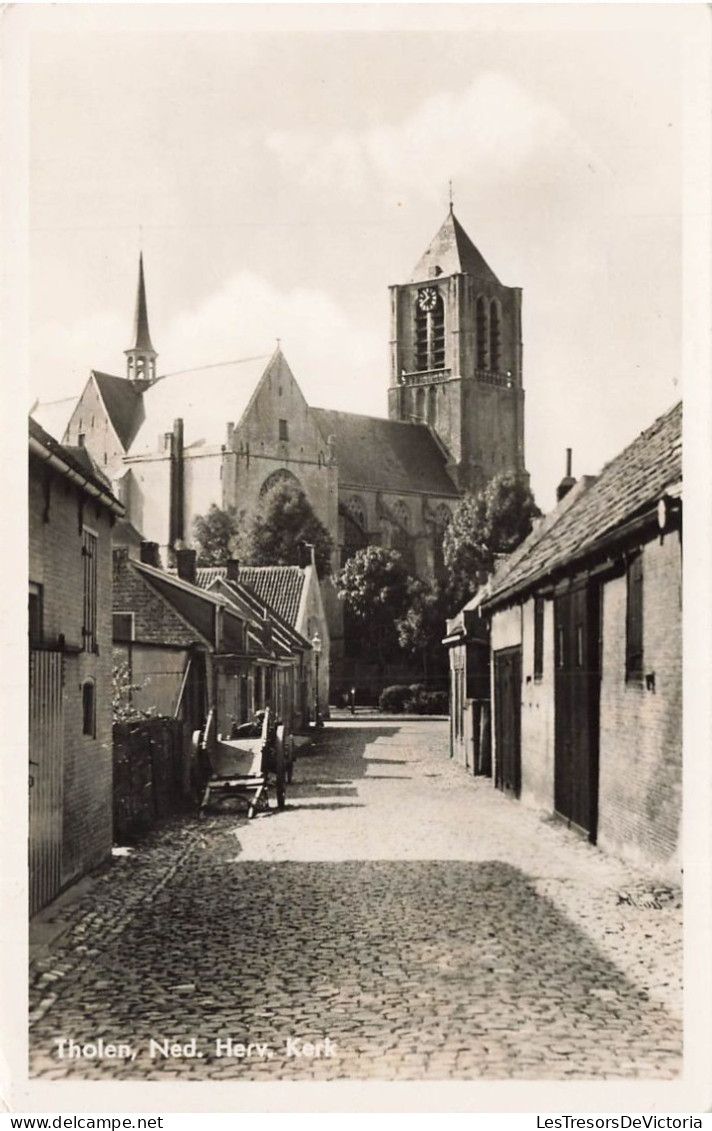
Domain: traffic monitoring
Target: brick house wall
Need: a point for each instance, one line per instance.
(56, 564)
(538, 712)
(641, 726)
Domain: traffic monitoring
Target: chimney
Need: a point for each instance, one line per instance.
(230, 434)
(176, 495)
(185, 561)
(150, 554)
(568, 481)
(233, 569)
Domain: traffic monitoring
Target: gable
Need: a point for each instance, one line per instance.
(278, 398)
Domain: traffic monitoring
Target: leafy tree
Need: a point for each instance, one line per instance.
(283, 522)
(375, 588)
(421, 628)
(491, 522)
(218, 536)
(122, 689)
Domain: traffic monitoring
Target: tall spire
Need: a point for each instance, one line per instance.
(141, 358)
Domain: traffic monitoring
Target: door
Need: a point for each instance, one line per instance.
(508, 719)
(577, 616)
(46, 750)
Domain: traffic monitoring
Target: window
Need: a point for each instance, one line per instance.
(80, 439)
(429, 330)
(538, 637)
(89, 548)
(283, 430)
(88, 709)
(495, 338)
(634, 619)
(123, 627)
(482, 333)
(35, 615)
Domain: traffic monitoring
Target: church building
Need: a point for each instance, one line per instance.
(455, 419)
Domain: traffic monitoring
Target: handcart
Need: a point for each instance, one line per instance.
(245, 768)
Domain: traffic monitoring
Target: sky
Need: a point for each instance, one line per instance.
(281, 166)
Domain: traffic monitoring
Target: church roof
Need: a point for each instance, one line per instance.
(628, 488)
(452, 252)
(123, 402)
(141, 334)
(386, 455)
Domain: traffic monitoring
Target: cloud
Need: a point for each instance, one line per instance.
(494, 125)
(335, 361)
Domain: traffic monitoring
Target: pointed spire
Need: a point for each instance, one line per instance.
(141, 358)
(452, 252)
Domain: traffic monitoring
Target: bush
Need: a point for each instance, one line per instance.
(393, 699)
(413, 700)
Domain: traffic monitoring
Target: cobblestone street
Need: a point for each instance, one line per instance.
(398, 920)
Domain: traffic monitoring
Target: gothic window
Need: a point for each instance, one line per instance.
(401, 515)
(495, 334)
(283, 429)
(429, 330)
(357, 512)
(278, 477)
(482, 333)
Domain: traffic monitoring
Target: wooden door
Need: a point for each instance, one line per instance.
(508, 719)
(46, 749)
(576, 706)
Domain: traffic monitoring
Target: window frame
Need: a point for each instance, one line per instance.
(90, 550)
(538, 661)
(634, 619)
(89, 715)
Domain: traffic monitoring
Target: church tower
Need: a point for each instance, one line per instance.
(456, 358)
(141, 358)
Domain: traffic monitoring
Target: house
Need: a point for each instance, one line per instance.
(293, 595)
(455, 419)
(585, 649)
(188, 650)
(71, 514)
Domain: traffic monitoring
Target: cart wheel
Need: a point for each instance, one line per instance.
(280, 766)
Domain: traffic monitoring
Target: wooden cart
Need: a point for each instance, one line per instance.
(244, 768)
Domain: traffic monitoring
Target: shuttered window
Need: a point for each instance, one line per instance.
(634, 619)
(89, 550)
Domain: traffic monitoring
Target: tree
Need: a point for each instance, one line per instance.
(218, 536)
(421, 628)
(375, 588)
(491, 522)
(282, 524)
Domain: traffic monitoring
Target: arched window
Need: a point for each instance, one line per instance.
(357, 511)
(495, 334)
(401, 514)
(482, 333)
(282, 475)
(88, 709)
(429, 330)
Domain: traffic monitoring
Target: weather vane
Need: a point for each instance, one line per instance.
(450, 193)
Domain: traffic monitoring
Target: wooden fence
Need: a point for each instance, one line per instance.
(152, 775)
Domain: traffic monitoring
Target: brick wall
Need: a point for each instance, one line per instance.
(641, 728)
(55, 563)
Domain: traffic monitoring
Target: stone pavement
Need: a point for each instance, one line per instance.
(398, 920)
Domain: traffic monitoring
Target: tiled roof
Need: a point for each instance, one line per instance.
(255, 603)
(454, 253)
(124, 404)
(281, 587)
(628, 487)
(387, 455)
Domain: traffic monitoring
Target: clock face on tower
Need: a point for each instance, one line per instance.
(427, 299)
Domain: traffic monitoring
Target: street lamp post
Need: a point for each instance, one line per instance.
(316, 648)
